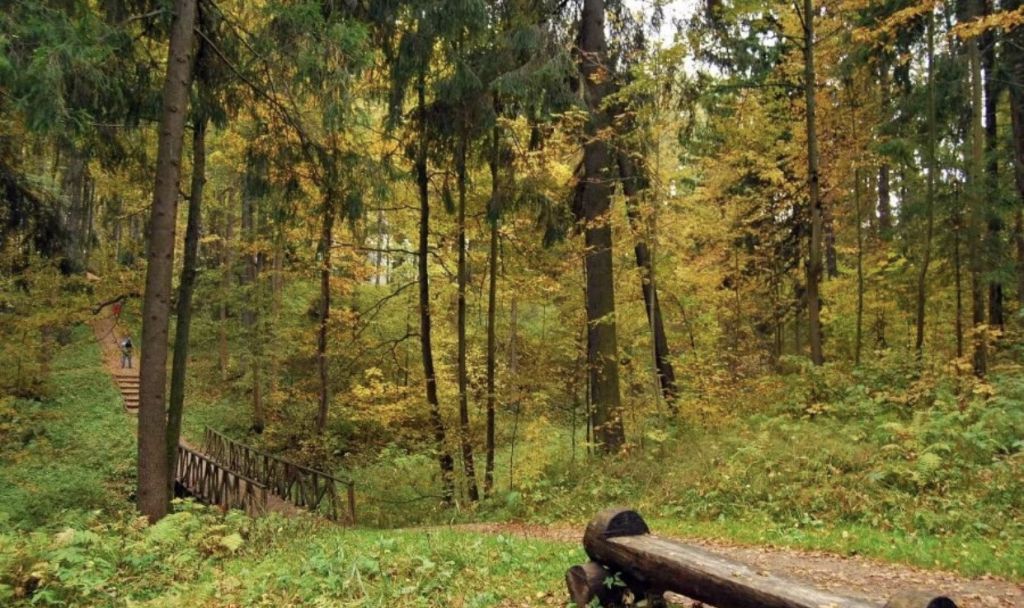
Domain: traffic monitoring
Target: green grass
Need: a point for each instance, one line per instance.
(923, 472)
(70, 536)
(71, 453)
(198, 557)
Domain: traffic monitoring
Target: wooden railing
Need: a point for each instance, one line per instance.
(213, 484)
(623, 549)
(302, 486)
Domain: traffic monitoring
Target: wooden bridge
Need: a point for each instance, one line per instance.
(230, 474)
(302, 486)
(213, 484)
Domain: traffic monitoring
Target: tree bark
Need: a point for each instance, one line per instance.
(429, 375)
(644, 262)
(858, 347)
(1013, 51)
(225, 286)
(922, 277)
(831, 256)
(153, 487)
(813, 183)
(600, 296)
(857, 185)
(186, 287)
(994, 221)
(977, 188)
(463, 373)
(884, 202)
(957, 266)
(251, 312)
(326, 240)
(492, 308)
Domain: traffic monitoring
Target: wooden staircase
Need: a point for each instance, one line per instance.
(128, 383)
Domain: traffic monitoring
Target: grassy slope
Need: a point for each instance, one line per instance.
(69, 536)
(71, 453)
(756, 480)
(198, 557)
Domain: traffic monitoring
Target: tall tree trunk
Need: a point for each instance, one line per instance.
(1013, 51)
(831, 257)
(814, 187)
(957, 266)
(993, 239)
(251, 312)
(89, 199)
(631, 181)
(153, 489)
(884, 197)
(326, 240)
(74, 186)
(429, 375)
(922, 277)
(186, 286)
(463, 373)
(977, 189)
(225, 286)
(857, 186)
(600, 299)
(492, 306)
(858, 347)
(1018, 239)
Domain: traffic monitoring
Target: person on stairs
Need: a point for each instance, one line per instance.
(126, 352)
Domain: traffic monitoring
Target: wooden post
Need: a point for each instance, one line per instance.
(620, 544)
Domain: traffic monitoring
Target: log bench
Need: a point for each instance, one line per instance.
(629, 565)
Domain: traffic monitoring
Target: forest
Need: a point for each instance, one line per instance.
(476, 270)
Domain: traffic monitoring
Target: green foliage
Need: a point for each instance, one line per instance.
(198, 556)
(69, 454)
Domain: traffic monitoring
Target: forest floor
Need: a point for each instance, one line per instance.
(848, 575)
(854, 575)
(75, 539)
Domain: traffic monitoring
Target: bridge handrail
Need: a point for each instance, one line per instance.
(304, 486)
(215, 484)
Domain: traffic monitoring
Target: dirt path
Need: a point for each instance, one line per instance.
(109, 334)
(855, 576)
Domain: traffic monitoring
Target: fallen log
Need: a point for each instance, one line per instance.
(623, 549)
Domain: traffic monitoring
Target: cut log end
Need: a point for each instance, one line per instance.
(612, 523)
(920, 599)
(586, 583)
